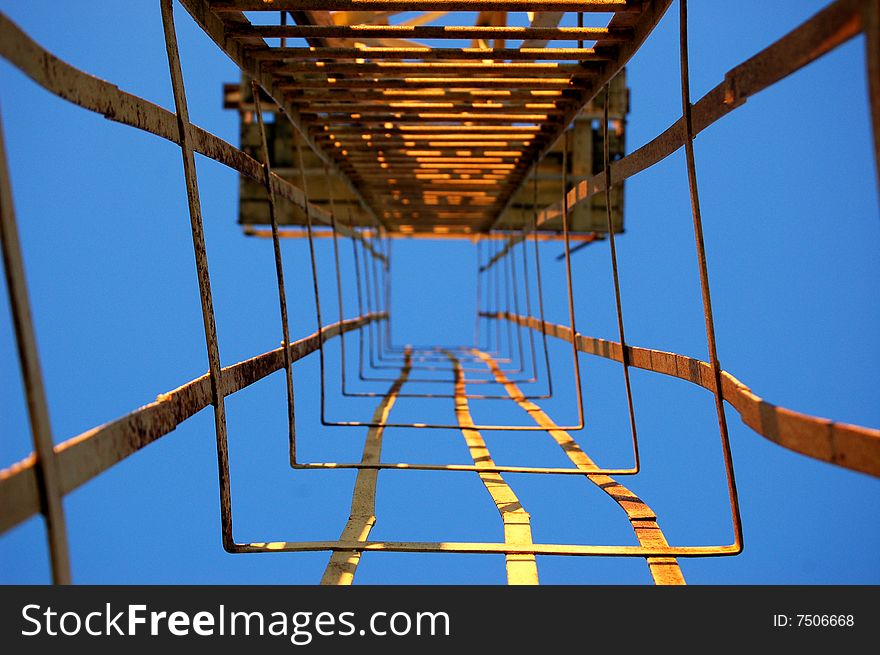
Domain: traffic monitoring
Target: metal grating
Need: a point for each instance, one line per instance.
(435, 125)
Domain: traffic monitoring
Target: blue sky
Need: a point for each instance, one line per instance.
(788, 186)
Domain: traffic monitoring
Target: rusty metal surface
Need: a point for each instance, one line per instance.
(664, 570)
(87, 455)
(518, 548)
(396, 139)
(443, 161)
(486, 548)
(850, 446)
(433, 425)
(279, 276)
(521, 569)
(871, 27)
(343, 81)
(69, 83)
(462, 468)
(618, 305)
(427, 5)
(342, 566)
(703, 267)
(216, 27)
(45, 468)
(430, 32)
(215, 372)
(829, 28)
(425, 356)
(298, 233)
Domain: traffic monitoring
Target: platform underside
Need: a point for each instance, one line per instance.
(456, 119)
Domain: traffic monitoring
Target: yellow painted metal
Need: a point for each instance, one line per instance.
(665, 570)
(521, 568)
(343, 564)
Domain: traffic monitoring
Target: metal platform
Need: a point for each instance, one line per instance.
(433, 125)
